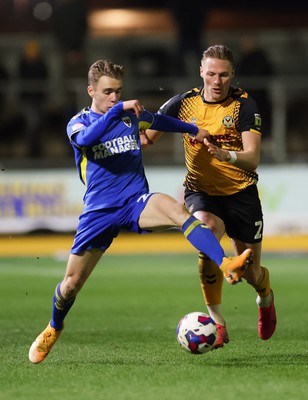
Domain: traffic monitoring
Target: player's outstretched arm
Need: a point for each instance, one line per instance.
(248, 158)
(150, 136)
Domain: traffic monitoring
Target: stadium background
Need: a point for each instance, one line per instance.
(120, 339)
(143, 37)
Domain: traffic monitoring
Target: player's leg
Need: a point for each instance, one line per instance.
(163, 211)
(245, 225)
(94, 235)
(79, 267)
(211, 280)
(259, 278)
(211, 276)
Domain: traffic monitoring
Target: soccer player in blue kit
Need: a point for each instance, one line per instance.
(106, 142)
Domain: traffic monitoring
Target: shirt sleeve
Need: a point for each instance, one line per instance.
(165, 123)
(86, 136)
(250, 118)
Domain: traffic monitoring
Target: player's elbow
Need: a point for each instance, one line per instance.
(253, 162)
(153, 135)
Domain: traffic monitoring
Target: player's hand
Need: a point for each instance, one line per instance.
(217, 152)
(201, 136)
(134, 106)
(144, 139)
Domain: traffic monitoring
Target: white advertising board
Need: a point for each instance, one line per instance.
(52, 199)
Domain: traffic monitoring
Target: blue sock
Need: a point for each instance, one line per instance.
(202, 238)
(60, 308)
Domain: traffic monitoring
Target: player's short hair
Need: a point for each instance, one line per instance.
(219, 51)
(104, 68)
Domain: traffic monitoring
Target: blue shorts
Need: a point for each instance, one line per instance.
(97, 229)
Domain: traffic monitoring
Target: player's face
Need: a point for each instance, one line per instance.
(217, 76)
(105, 94)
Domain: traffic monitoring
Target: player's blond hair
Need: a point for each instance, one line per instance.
(104, 68)
(220, 52)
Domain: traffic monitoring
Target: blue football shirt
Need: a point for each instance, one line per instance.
(108, 153)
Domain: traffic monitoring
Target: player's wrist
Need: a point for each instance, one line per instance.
(194, 132)
(233, 157)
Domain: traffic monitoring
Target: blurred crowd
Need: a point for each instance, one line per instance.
(35, 105)
(31, 125)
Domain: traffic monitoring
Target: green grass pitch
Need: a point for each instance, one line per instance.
(119, 339)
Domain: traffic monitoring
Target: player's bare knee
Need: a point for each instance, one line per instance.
(70, 287)
(180, 213)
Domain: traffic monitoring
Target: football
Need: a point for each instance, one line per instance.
(196, 333)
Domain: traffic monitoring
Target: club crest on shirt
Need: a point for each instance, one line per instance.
(127, 121)
(227, 121)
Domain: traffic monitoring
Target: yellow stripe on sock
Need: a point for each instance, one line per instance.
(192, 226)
(59, 301)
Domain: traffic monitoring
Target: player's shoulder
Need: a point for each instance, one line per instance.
(241, 95)
(248, 108)
(194, 92)
(79, 121)
(174, 103)
(82, 115)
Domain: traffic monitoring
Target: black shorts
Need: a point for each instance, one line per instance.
(241, 212)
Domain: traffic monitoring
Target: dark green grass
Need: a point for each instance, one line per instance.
(119, 340)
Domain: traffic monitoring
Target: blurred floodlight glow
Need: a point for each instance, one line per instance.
(123, 21)
(42, 11)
